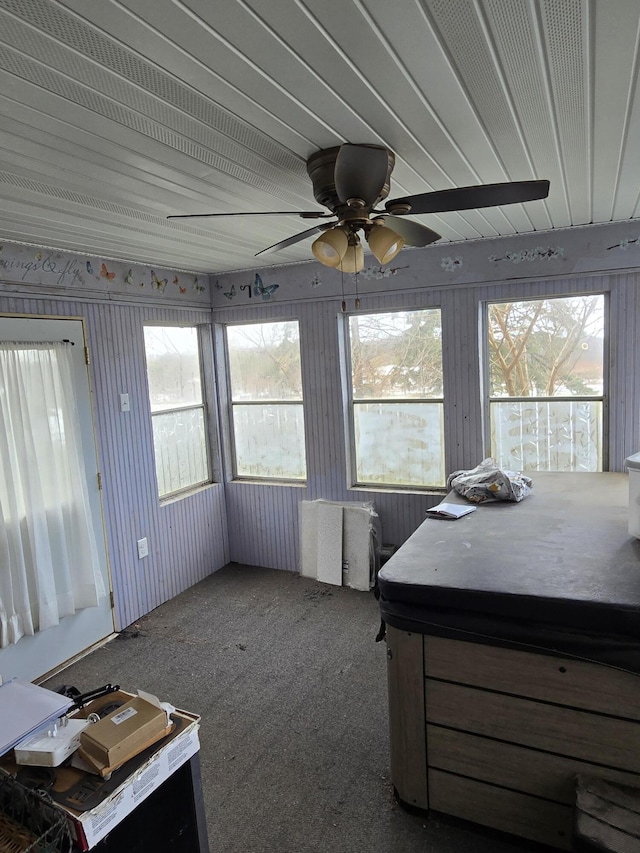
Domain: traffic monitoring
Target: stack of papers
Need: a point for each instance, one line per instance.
(25, 709)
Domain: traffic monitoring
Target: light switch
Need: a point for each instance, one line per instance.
(143, 548)
(124, 403)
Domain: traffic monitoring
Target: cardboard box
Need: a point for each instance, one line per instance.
(124, 733)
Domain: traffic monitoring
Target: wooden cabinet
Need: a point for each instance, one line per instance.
(497, 736)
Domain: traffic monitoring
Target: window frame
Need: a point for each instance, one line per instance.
(232, 446)
(204, 338)
(604, 398)
(351, 401)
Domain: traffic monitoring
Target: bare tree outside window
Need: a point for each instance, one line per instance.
(264, 361)
(177, 408)
(396, 354)
(266, 400)
(546, 357)
(397, 398)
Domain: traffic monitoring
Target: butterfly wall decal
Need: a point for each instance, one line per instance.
(231, 294)
(104, 273)
(89, 268)
(158, 283)
(260, 290)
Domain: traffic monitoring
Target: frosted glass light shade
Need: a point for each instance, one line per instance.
(329, 248)
(353, 260)
(384, 243)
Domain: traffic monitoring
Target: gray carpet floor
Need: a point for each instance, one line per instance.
(291, 688)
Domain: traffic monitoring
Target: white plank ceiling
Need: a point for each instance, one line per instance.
(116, 113)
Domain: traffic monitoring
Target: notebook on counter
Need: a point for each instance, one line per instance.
(449, 511)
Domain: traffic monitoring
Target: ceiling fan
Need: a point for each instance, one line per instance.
(350, 180)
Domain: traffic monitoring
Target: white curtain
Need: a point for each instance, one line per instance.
(49, 565)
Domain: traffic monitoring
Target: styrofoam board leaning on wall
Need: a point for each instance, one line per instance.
(339, 542)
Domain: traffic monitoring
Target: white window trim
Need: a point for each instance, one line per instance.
(350, 401)
(231, 450)
(604, 398)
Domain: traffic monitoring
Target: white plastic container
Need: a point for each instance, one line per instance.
(50, 748)
(633, 464)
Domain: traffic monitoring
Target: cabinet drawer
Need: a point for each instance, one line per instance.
(581, 685)
(529, 771)
(564, 731)
(508, 811)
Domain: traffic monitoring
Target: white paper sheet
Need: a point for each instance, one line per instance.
(27, 708)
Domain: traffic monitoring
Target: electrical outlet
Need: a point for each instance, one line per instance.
(143, 548)
(124, 403)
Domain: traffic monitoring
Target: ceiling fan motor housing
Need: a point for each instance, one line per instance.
(321, 169)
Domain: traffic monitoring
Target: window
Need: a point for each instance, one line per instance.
(177, 407)
(397, 398)
(546, 383)
(266, 400)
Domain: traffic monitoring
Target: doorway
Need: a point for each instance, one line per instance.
(34, 656)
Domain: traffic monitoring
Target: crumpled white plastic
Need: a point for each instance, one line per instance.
(488, 482)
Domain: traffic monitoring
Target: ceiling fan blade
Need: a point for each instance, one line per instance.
(468, 198)
(303, 214)
(413, 233)
(296, 238)
(361, 172)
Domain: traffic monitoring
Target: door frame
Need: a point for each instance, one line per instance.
(35, 658)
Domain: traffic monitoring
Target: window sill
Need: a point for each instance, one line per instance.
(398, 490)
(292, 484)
(187, 493)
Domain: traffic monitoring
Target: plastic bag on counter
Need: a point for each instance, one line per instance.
(488, 482)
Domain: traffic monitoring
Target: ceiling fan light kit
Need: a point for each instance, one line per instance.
(384, 243)
(331, 247)
(350, 180)
(353, 260)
